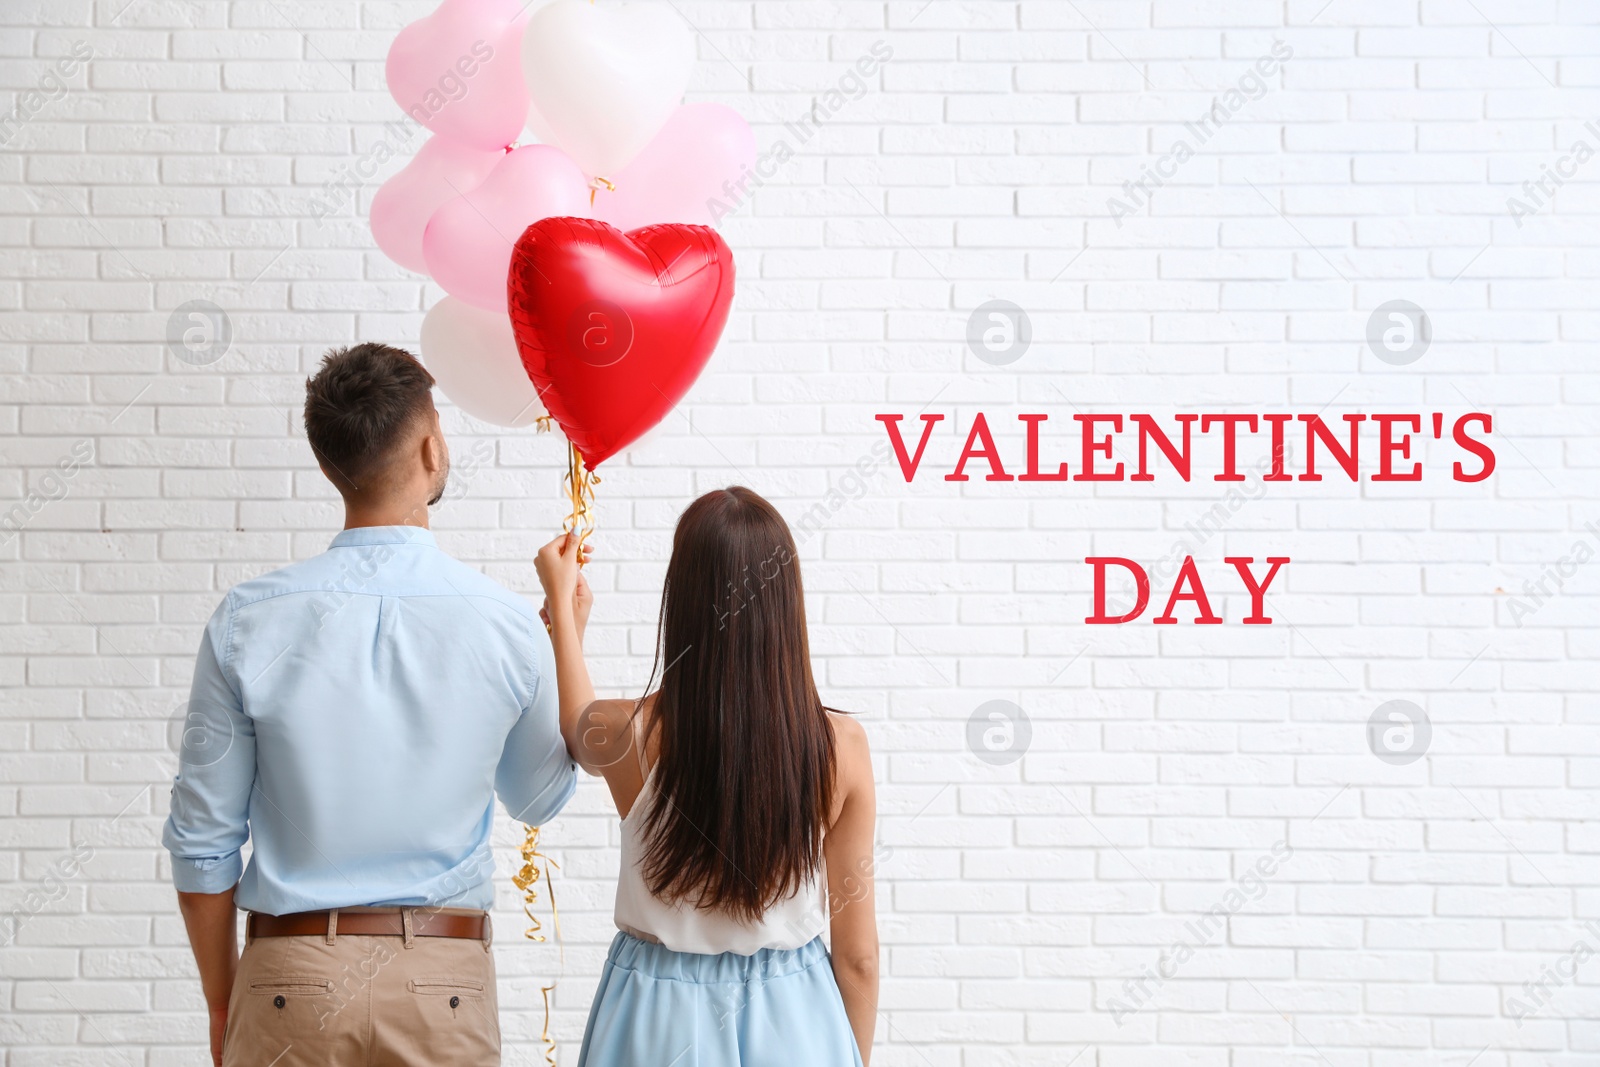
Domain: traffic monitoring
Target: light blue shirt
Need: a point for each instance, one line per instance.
(355, 715)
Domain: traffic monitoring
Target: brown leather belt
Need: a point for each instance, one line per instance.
(424, 923)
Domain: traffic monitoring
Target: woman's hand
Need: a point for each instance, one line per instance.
(567, 597)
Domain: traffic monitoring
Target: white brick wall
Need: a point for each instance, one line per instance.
(1018, 901)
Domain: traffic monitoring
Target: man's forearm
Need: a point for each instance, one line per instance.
(211, 921)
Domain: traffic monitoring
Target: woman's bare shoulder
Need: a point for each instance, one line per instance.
(847, 729)
(853, 789)
(850, 742)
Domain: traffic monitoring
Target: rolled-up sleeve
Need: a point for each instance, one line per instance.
(210, 817)
(536, 777)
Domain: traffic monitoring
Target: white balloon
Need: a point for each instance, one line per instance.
(536, 123)
(605, 79)
(473, 356)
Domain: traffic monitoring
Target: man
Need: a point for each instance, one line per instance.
(354, 716)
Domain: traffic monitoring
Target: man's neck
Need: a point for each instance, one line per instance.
(387, 514)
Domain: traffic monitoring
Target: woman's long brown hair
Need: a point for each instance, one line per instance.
(744, 780)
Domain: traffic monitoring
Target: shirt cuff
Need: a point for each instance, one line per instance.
(548, 805)
(208, 874)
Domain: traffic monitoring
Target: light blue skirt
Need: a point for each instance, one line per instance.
(660, 1008)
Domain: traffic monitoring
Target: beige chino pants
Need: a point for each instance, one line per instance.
(363, 1001)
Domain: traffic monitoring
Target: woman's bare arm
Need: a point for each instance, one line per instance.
(848, 848)
(600, 734)
(566, 613)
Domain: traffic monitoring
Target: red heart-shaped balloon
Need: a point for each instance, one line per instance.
(614, 328)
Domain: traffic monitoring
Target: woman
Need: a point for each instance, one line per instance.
(747, 813)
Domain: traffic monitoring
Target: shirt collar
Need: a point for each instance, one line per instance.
(384, 535)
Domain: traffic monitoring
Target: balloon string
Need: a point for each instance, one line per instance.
(527, 880)
(580, 483)
(594, 186)
(544, 1035)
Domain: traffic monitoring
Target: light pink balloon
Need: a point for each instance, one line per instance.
(473, 356)
(468, 242)
(459, 71)
(441, 171)
(690, 172)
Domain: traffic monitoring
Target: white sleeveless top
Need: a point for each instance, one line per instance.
(794, 921)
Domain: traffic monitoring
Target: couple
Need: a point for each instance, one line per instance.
(354, 716)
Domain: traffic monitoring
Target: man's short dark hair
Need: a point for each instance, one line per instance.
(362, 403)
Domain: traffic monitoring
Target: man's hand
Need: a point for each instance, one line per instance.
(210, 919)
(219, 1027)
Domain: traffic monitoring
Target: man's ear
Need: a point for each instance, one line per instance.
(433, 449)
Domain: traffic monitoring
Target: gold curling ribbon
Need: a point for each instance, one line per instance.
(579, 483)
(594, 186)
(527, 880)
(544, 1035)
(581, 496)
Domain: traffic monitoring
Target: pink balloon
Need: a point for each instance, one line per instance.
(690, 172)
(459, 71)
(441, 171)
(468, 242)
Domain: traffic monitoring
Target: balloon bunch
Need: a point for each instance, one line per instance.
(555, 313)
(598, 87)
